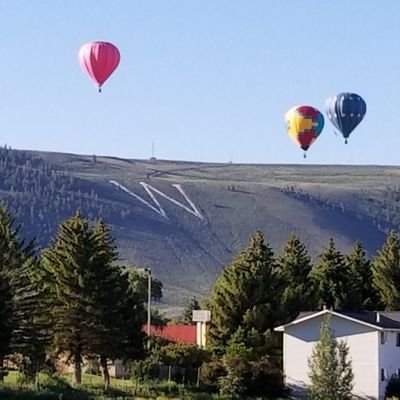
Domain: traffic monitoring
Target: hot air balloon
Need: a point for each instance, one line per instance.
(99, 60)
(345, 111)
(304, 124)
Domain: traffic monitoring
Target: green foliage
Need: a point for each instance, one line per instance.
(393, 388)
(183, 355)
(144, 370)
(187, 315)
(331, 376)
(22, 312)
(6, 321)
(95, 311)
(294, 267)
(386, 273)
(245, 294)
(210, 373)
(334, 282)
(361, 273)
(139, 283)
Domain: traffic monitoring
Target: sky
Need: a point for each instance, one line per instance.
(204, 80)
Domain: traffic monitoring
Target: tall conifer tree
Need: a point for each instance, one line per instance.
(294, 267)
(386, 273)
(96, 313)
(334, 284)
(120, 315)
(246, 294)
(361, 271)
(19, 271)
(69, 263)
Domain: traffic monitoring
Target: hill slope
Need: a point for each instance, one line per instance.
(186, 220)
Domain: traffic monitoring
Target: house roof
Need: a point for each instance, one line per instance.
(378, 320)
(176, 333)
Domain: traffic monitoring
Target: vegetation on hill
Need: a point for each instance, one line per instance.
(186, 252)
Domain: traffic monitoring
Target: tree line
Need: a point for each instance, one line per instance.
(69, 301)
(259, 291)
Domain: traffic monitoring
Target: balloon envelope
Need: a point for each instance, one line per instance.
(304, 124)
(99, 60)
(345, 111)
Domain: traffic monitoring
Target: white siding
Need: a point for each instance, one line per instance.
(389, 358)
(363, 343)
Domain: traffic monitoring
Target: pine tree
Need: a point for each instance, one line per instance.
(361, 271)
(120, 312)
(187, 315)
(70, 271)
(6, 314)
(386, 273)
(18, 268)
(334, 283)
(96, 314)
(246, 294)
(331, 375)
(294, 267)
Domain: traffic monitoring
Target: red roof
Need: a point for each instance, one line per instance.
(176, 333)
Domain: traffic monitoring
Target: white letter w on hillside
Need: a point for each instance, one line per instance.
(157, 207)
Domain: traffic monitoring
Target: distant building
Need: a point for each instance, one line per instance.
(374, 343)
(175, 333)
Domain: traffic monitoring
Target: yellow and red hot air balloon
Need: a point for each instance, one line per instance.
(99, 60)
(304, 124)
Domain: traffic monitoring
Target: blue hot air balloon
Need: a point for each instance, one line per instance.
(346, 111)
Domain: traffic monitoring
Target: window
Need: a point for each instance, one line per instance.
(383, 337)
(398, 340)
(383, 374)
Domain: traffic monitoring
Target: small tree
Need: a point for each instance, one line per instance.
(330, 373)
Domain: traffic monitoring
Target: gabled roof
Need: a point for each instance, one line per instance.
(379, 320)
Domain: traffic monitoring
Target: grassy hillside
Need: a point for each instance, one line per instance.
(225, 203)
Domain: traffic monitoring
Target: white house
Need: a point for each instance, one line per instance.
(374, 343)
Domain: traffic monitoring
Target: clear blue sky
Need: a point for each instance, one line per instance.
(204, 80)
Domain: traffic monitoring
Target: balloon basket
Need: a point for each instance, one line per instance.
(345, 141)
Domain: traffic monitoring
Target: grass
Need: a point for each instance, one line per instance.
(57, 388)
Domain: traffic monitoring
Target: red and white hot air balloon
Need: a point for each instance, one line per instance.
(99, 60)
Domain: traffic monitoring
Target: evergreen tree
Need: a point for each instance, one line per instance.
(18, 269)
(334, 283)
(386, 273)
(120, 311)
(331, 375)
(294, 267)
(70, 266)
(6, 314)
(246, 294)
(187, 315)
(361, 271)
(95, 312)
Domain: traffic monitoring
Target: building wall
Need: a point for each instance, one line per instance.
(363, 343)
(389, 359)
